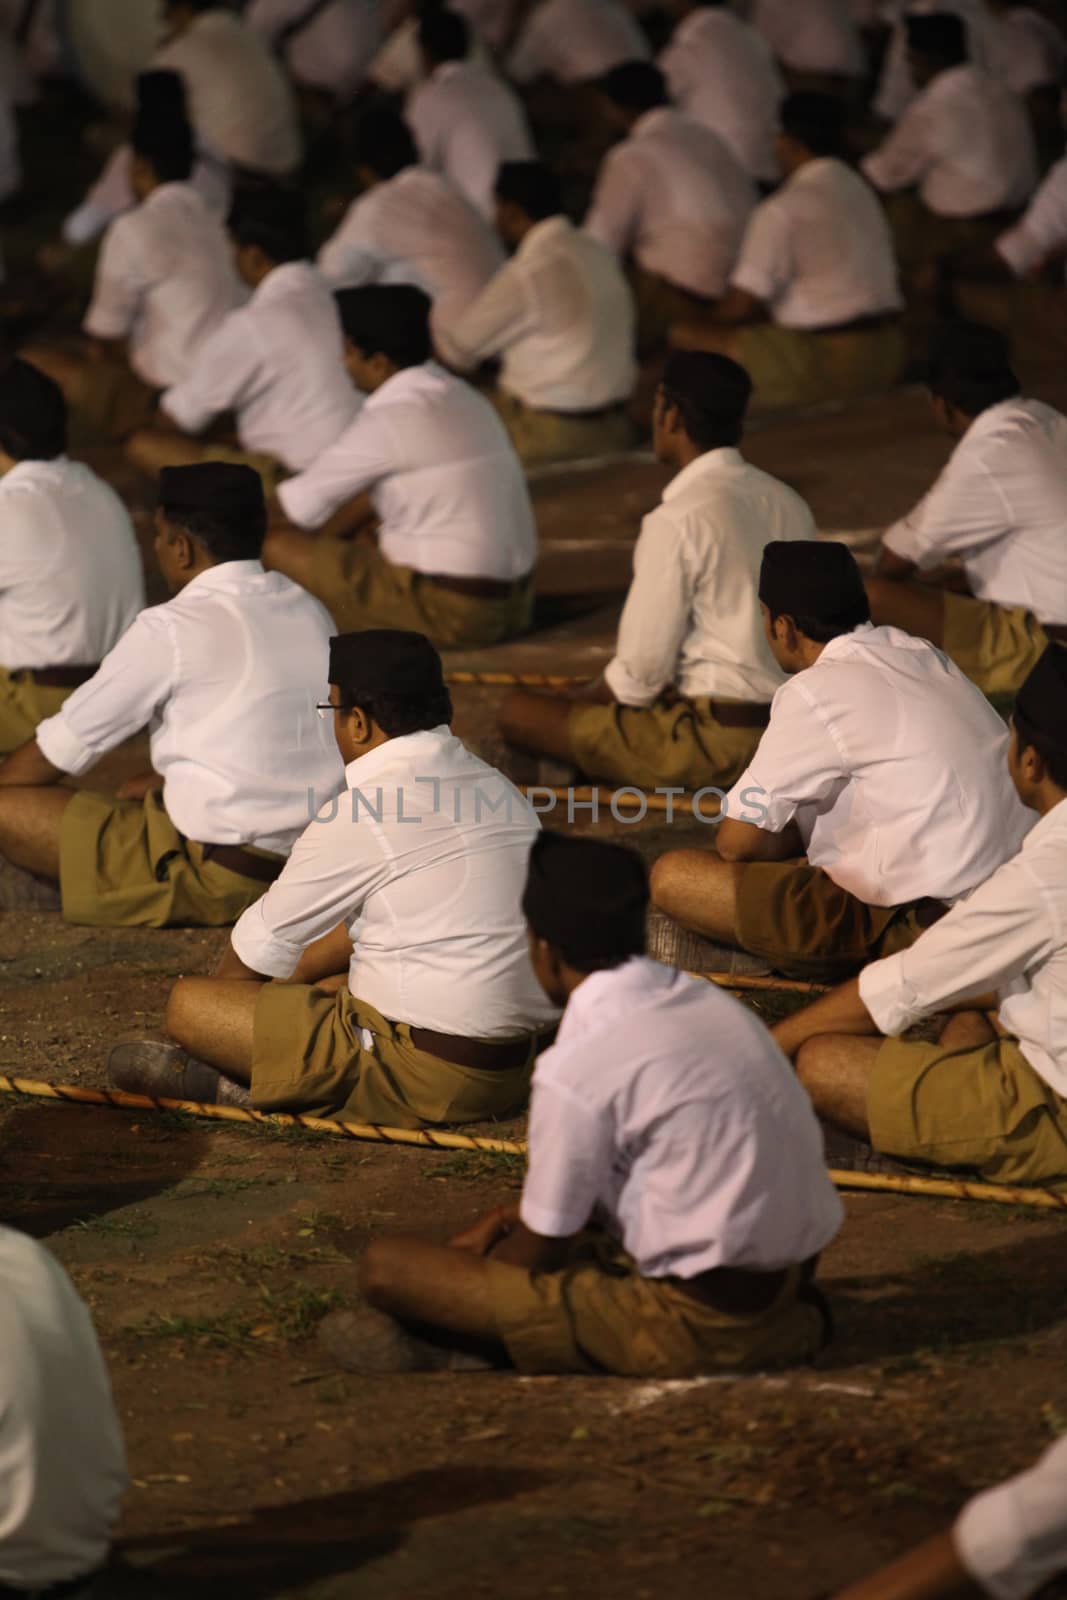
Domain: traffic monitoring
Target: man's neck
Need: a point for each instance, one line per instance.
(1048, 796)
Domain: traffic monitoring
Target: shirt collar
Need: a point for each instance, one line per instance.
(813, 171)
(224, 575)
(543, 233)
(724, 459)
(1054, 821)
(844, 641)
(279, 279)
(34, 471)
(652, 121)
(446, 70)
(407, 380)
(603, 999)
(419, 751)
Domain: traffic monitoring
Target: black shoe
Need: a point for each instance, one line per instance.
(153, 1065)
(370, 1342)
(25, 891)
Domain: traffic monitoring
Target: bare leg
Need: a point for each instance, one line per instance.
(432, 1284)
(149, 449)
(968, 1030)
(699, 890)
(537, 723)
(836, 1070)
(68, 367)
(212, 1019)
(29, 828)
(910, 606)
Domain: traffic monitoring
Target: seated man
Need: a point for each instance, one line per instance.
(989, 1099)
(327, 46)
(818, 44)
(416, 902)
(275, 363)
(466, 120)
(410, 225)
(560, 316)
(227, 675)
(71, 578)
(965, 143)
(882, 766)
(671, 199)
(813, 310)
(999, 507)
(424, 516)
(720, 71)
(574, 41)
(688, 692)
(663, 1118)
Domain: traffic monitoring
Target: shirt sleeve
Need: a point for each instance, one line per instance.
(570, 1157)
(1042, 230)
(654, 618)
(497, 318)
(904, 156)
(985, 942)
(1013, 1539)
(964, 511)
(797, 764)
(365, 453)
(615, 210)
(133, 682)
(351, 257)
(118, 288)
(108, 198)
(226, 368)
(765, 265)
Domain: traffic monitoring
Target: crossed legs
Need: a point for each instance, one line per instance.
(213, 1020)
(699, 890)
(537, 723)
(30, 821)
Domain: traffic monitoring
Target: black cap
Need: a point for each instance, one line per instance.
(33, 412)
(388, 318)
(970, 366)
(385, 661)
(1042, 701)
(219, 487)
(941, 34)
(718, 388)
(813, 578)
(161, 94)
(588, 899)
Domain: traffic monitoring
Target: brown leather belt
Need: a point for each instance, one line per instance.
(235, 858)
(739, 714)
(58, 677)
(1056, 631)
(739, 1293)
(480, 588)
(483, 1054)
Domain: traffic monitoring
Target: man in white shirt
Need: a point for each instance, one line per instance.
(62, 1459)
(275, 363)
(466, 121)
(897, 87)
(721, 71)
(419, 515)
(991, 1099)
(964, 144)
(409, 225)
(327, 46)
(877, 798)
(813, 309)
(687, 694)
(676, 1199)
(226, 675)
(670, 199)
(560, 317)
(998, 512)
(71, 579)
(575, 41)
(408, 885)
(1023, 49)
(819, 43)
(240, 101)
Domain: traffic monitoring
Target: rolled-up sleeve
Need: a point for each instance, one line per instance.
(497, 318)
(118, 288)
(904, 156)
(964, 511)
(797, 764)
(654, 618)
(570, 1157)
(351, 257)
(363, 455)
(222, 377)
(1042, 230)
(1013, 1539)
(133, 683)
(765, 263)
(613, 214)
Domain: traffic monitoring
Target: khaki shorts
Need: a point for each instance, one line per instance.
(111, 399)
(797, 918)
(660, 304)
(984, 1109)
(308, 1054)
(599, 1315)
(361, 589)
(996, 646)
(793, 367)
(23, 706)
(123, 864)
(554, 436)
(920, 235)
(661, 744)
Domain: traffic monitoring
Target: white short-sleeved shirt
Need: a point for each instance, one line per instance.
(819, 252)
(692, 616)
(400, 64)
(443, 475)
(466, 122)
(71, 577)
(165, 281)
(966, 142)
(819, 36)
(675, 198)
(112, 195)
(278, 362)
(574, 41)
(894, 768)
(896, 87)
(240, 101)
(1013, 1539)
(62, 1459)
(423, 858)
(1024, 50)
(721, 71)
(666, 1106)
(1041, 231)
(415, 228)
(226, 676)
(1009, 936)
(1000, 505)
(331, 52)
(561, 317)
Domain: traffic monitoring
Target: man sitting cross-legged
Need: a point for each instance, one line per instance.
(999, 508)
(992, 1099)
(688, 692)
(410, 885)
(664, 1116)
(422, 513)
(226, 674)
(882, 766)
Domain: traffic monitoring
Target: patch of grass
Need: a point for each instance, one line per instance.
(128, 1227)
(219, 1188)
(474, 1166)
(296, 1312)
(227, 1331)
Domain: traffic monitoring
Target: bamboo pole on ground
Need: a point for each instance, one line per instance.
(515, 680)
(628, 798)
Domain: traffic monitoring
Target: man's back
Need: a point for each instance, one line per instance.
(819, 37)
(575, 41)
(332, 50)
(467, 122)
(721, 72)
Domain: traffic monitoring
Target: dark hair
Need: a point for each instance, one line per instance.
(384, 143)
(708, 428)
(167, 146)
(940, 36)
(238, 537)
(387, 319)
(970, 367)
(272, 219)
(1053, 755)
(635, 86)
(398, 714)
(816, 121)
(531, 186)
(161, 94)
(33, 413)
(820, 631)
(443, 34)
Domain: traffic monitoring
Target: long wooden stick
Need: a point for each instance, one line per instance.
(950, 1189)
(730, 980)
(628, 798)
(516, 680)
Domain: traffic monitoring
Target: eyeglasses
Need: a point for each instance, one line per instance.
(327, 709)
